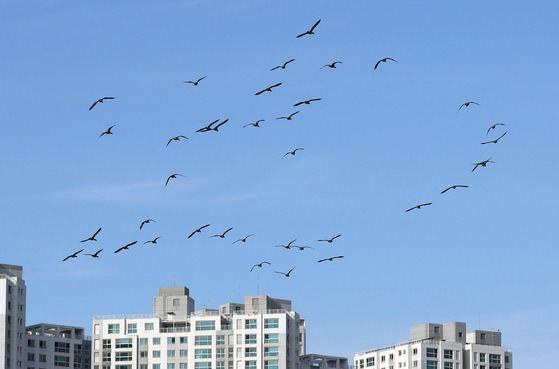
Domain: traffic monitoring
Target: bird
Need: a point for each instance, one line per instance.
(108, 131)
(301, 248)
(208, 127)
(268, 89)
(195, 83)
(172, 176)
(306, 102)
(494, 141)
(219, 125)
(289, 117)
(147, 221)
(153, 241)
(74, 255)
(286, 274)
(330, 259)
(92, 238)
(254, 124)
(311, 31)
(331, 239)
(383, 61)
(101, 101)
(288, 246)
(292, 152)
(96, 255)
(199, 230)
(259, 265)
(126, 247)
(333, 65)
(419, 206)
(482, 163)
(223, 234)
(177, 138)
(454, 187)
(493, 127)
(243, 239)
(282, 66)
(466, 104)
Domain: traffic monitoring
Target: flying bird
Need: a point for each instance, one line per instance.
(92, 238)
(101, 101)
(172, 176)
(330, 259)
(482, 163)
(126, 247)
(243, 239)
(289, 117)
(177, 138)
(269, 89)
(466, 104)
(311, 31)
(333, 65)
(454, 187)
(494, 141)
(108, 131)
(259, 265)
(383, 61)
(208, 127)
(306, 102)
(493, 127)
(288, 246)
(147, 221)
(254, 124)
(286, 274)
(419, 206)
(223, 234)
(282, 66)
(331, 239)
(74, 255)
(216, 128)
(96, 255)
(292, 152)
(153, 241)
(195, 83)
(199, 230)
(301, 248)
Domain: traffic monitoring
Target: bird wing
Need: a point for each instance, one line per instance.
(476, 165)
(333, 238)
(95, 103)
(376, 65)
(258, 93)
(276, 85)
(299, 103)
(320, 261)
(316, 24)
(287, 62)
(207, 225)
(294, 113)
(254, 266)
(192, 234)
(411, 209)
(77, 252)
(131, 243)
(171, 139)
(280, 272)
(501, 136)
(429, 203)
(318, 99)
(168, 180)
(97, 253)
(302, 34)
(181, 136)
(290, 270)
(95, 234)
(279, 66)
(119, 250)
(461, 107)
(156, 238)
(286, 154)
(299, 148)
(227, 230)
(201, 79)
(392, 60)
(446, 190)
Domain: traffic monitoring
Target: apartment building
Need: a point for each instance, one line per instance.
(440, 346)
(261, 333)
(12, 317)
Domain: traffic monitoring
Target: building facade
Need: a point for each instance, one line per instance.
(440, 346)
(12, 317)
(262, 333)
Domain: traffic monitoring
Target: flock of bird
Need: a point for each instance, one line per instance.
(216, 124)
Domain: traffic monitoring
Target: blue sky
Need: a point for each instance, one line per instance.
(378, 143)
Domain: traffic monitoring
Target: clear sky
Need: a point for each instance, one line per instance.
(379, 142)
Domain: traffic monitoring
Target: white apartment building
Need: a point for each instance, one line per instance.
(262, 333)
(12, 317)
(440, 346)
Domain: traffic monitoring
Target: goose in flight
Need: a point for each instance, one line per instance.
(223, 234)
(383, 61)
(269, 89)
(301, 248)
(466, 104)
(208, 127)
(482, 163)
(454, 187)
(311, 31)
(306, 102)
(101, 101)
(147, 221)
(282, 66)
(243, 239)
(195, 83)
(292, 152)
(92, 238)
(418, 206)
(259, 265)
(494, 141)
(96, 255)
(74, 255)
(330, 259)
(286, 274)
(256, 124)
(331, 239)
(493, 127)
(199, 230)
(177, 138)
(289, 117)
(108, 131)
(154, 241)
(288, 246)
(126, 247)
(333, 65)
(172, 176)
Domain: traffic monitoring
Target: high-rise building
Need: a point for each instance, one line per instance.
(440, 346)
(262, 333)
(12, 317)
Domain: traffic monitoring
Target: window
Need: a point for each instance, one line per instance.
(170, 366)
(250, 352)
(62, 347)
(391, 357)
(183, 366)
(170, 353)
(460, 334)
(156, 366)
(106, 344)
(202, 340)
(30, 357)
(77, 349)
(249, 364)
(156, 354)
(183, 353)
(62, 361)
(431, 352)
(494, 359)
(123, 356)
(482, 357)
(271, 351)
(132, 328)
(448, 354)
(250, 339)
(220, 365)
(183, 339)
(220, 353)
(414, 364)
(507, 359)
(143, 366)
(205, 365)
(448, 365)
(220, 340)
(250, 323)
(437, 329)
(143, 341)
(30, 343)
(431, 364)
(482, 336)
(148, 326)
(370, 361)
(107, 356)
(414, 351)
(203, 354)
(43, 344)
(96, 329)
(123, 366)
(271, 338)
(382, 359)
(205, 325)
(170, 340)
(156, 340)
(114, 328)
(42, 358)
(123, 343)
(271, 364)
(271, 323)
(143, 354)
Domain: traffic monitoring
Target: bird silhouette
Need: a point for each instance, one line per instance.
(147, 221)
(306, 102)
(101, 101)
(199, 230)
(311, 31)
(223, 234)
(154, 241)
(92, 238)
(289, 117)
(330, 259)
(216, 128)
(126, 247)
(177, 138)
(172, 176)
(493, 127)
(292, 152)
(482, 163)
(301, 248)
(195, 83)
(494, 141)
(269, 89)
(286, 274)
(208, 127)
(259, 265)
(108, 131)
(333, 65)
(383, 61)
(282, 66)
(454, 187)
(96, 255)
(74, 255)
(254, 124)
(466, 104)
(288, 246)
(419, 206)
(331, 239)
(243, 239)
